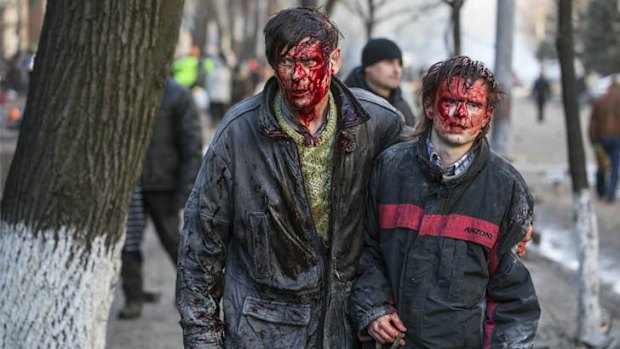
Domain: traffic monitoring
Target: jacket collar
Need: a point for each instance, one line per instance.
(350, 113)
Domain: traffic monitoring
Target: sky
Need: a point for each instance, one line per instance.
(423, 44)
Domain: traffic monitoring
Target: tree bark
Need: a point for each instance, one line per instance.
(589, 315)
(100, 72)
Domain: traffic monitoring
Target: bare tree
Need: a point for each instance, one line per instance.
(374, 12)
(589, 316)
(98, 79)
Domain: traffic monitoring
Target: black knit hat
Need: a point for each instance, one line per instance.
(379, 49)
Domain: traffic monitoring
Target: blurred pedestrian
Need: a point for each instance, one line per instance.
(272, 226)
(189, 69)
(219, 88)
(604, 132)
(380, 73)
(444, 215)
(541, 91)
(170, 167)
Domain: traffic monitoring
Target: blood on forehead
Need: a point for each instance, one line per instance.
(307, 42)
(463, 87)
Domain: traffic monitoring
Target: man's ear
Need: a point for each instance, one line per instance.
(428, 107)
(335, 61)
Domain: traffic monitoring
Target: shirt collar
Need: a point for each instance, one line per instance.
(456, 169)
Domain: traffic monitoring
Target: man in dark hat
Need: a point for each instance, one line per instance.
(380, 73)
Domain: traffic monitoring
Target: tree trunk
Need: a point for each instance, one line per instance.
(100, 72)
(201, 19)
(456, 25)
(503, 71)
(308, 3)
(589, 316)
(370, 21)
(329, 6)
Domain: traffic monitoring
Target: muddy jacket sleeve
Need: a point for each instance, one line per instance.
(512, 310)
(371, 295)
(202, 254)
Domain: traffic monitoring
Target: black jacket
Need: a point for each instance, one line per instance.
(440, 253)
(357, 79)
(175, 152)
(248, 214)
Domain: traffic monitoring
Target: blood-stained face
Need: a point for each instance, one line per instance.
(459, 113)
(304, 74)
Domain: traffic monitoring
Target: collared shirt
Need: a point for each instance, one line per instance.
(456, 169)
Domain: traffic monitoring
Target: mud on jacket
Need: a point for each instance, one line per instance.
(439, 253)
(248, 214)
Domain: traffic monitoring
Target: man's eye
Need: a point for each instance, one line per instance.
(473, 104)
(286, 61)
(310, 63)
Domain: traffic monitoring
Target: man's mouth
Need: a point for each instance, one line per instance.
(298, 93)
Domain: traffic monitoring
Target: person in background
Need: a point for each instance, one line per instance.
(219, 85)
(273, 225)
(187, 69)
(604, 132)
(380, 73)
(172, 161)
(541, 91)
(444, 215)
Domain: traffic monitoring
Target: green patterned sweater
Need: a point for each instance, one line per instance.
(316, 164)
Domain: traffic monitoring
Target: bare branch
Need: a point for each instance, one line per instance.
(357, 9)
(410, 10)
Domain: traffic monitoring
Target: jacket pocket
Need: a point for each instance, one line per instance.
(469, 277)
(271, 324)
(261, 247)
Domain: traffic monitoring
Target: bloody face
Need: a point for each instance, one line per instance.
(459, 113)
(304, 76)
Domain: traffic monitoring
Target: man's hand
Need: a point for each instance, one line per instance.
(522, 246)
(386, 328)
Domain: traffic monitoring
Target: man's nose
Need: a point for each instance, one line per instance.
(299, 72)
(461, 110)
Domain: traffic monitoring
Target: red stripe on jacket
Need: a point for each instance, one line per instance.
(454, 226)
(400, 216)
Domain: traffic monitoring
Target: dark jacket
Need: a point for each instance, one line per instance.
(175, 152)
(357, 79)
(605, 117)
(440, 253)
(248, 214)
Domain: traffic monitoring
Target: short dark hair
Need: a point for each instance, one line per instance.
(458, 66)
(288, 27)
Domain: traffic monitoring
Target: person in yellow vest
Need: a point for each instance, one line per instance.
(190, 70)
